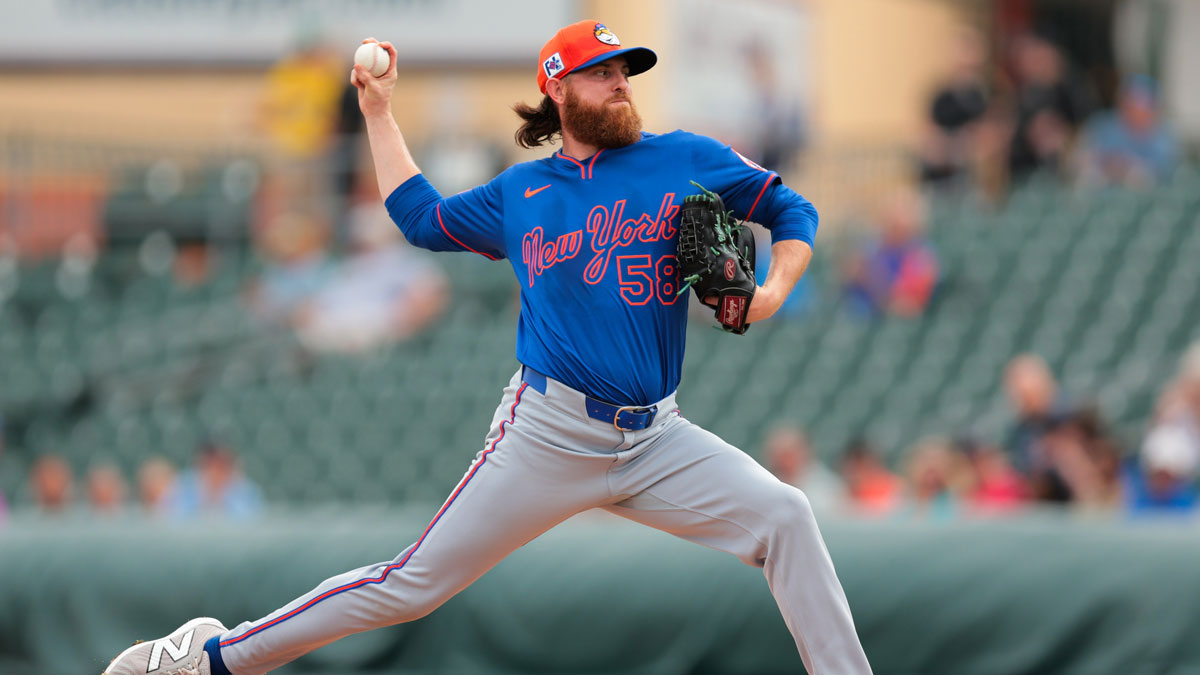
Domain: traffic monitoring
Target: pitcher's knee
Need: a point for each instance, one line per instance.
(784, 516)
(420, 605)
(400, 601)
(790, 508)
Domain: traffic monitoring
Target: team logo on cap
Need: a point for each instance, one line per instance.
(606, 36)
(553, 65)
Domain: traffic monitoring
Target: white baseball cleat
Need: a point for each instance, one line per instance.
(180, 653)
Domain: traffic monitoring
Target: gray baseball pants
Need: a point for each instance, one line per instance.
(545, 460)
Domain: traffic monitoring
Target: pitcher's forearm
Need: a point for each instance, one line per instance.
(393, 163)
(789, 260)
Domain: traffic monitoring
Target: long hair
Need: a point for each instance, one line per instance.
(542, 124)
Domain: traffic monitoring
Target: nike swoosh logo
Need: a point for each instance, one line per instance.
(529, 192)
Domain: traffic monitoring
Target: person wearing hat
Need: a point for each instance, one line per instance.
(589, 420)
(1164, 477)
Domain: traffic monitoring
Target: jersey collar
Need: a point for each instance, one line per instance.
(587, 166)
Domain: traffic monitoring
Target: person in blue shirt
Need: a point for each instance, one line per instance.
(1130, 146)
(214, 487)
(589, 419)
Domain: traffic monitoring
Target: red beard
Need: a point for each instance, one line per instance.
(605, 125)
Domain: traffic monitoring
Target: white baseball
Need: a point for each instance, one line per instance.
(374, 58)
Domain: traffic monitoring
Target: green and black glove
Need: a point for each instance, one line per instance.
(716, 258)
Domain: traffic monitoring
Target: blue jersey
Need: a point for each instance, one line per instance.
(592, 243)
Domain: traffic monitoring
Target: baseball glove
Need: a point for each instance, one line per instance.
(716, 258)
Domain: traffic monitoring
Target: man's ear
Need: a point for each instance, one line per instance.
(556, 90)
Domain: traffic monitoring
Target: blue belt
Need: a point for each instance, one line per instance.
(622, 417)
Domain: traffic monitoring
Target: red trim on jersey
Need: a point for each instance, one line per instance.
(512, 416)
(582, 168)
(593, 162)
(455, 239)
(760, 194)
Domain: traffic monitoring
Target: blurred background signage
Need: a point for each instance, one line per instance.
(254, 31)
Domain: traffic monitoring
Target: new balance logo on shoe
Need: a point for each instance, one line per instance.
(176, 653)
(179, 653)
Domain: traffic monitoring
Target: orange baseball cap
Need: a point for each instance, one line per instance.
(586, 43)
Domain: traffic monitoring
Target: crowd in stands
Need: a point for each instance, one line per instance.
(1032, 114)
(343, 281)
(1057, 451)
(212, 487)
(995, 125)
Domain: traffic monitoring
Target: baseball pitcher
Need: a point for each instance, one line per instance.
(604, 236)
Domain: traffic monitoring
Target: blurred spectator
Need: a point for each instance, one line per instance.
(1082, 464)
(215, 486)
(790, 458)
(1049, 106)
(301, 97)
(299, 112)
(106, 489)
(873, 489)
(383, 293)
(1165, 479)
(1129, 146)
(938, 475)
(1068, 456)
(297, 266)
(1033, 393)
(956, 116)
(997, 486)
(896, 273)
(51, 483)
(156, 480)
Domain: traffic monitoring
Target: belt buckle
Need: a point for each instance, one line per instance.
(617, 416)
